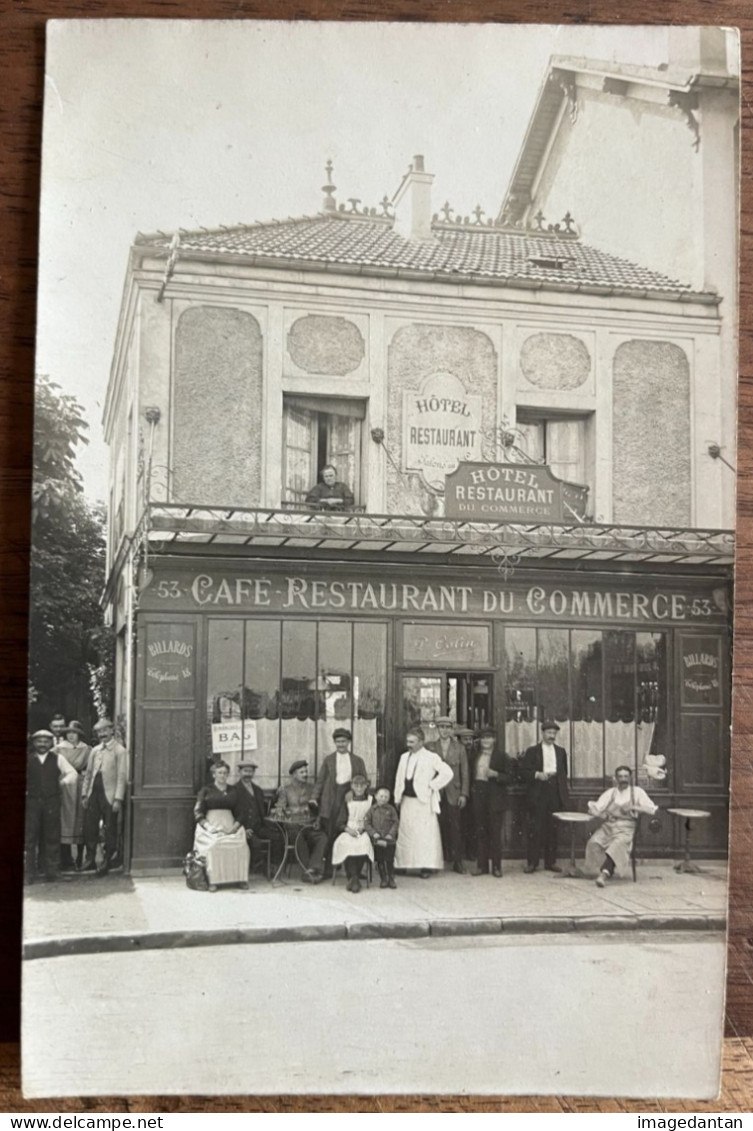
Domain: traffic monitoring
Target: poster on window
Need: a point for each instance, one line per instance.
(234, 737)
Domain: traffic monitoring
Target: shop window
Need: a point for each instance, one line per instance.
(318, 431)
(652, 739)
(521, 711)
(563, 443)
(607, 690)
(277, 690)
(587, 754)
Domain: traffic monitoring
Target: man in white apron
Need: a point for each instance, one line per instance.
(608, 850)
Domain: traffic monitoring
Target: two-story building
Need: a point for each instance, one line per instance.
(399, 343)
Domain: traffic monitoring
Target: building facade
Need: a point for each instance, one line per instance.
(400, 344)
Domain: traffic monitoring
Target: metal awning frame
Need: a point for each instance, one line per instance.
(172, 524)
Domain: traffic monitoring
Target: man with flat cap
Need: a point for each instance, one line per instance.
(543, 768)
(250, 810)
(333, 782)
(455, 794)
(46, 771)
(102, 796)
(295, 806)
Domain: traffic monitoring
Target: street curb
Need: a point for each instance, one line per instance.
(336, 932)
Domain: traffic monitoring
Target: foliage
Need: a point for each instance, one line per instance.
(67, 635)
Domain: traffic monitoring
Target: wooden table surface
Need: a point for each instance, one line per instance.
(21, 65)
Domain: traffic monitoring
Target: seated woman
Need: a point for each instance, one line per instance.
(220, 837)
(353, 846)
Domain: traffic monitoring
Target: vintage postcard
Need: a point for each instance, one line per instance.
(382, 559)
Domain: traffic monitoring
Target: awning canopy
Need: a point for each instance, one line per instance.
(169, 525)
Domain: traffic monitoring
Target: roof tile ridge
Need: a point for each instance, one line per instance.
(159, 236)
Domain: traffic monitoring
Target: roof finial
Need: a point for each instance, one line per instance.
(328, 189)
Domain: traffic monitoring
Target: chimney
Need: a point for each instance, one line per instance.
(412, 203)
(702, 50)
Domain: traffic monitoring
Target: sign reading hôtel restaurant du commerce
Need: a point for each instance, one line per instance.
(512, 492)
(442, 426)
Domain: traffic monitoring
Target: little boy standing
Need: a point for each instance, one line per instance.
(381, 824)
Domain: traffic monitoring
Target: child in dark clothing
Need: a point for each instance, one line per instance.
(381, 823)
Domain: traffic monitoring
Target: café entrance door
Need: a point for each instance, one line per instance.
(465, 696)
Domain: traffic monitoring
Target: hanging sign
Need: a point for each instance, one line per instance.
(441, 426)
(512, 492)
(234, 737)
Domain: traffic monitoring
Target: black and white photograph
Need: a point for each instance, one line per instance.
(382, 560)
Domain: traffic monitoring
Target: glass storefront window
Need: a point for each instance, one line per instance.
(277, 690)
(261, 699)
(619, 701)
(554, 675)
(369, 694)
(298, 690)
(333, 673)
(608, 690)
(422, 701)
(587, 755)
(652, 738)
(520, 689)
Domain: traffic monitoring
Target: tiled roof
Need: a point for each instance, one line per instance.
(460, 252)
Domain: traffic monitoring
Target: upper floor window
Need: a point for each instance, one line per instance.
(321, 434)
(563, 443)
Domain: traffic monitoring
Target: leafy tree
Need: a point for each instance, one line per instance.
(67, 636)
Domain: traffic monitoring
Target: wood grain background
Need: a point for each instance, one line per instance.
(21, 66)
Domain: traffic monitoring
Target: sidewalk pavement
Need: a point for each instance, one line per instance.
(126, 913)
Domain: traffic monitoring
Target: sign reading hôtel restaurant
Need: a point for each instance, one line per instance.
(310, 591)
(512, 492)
(442, 426)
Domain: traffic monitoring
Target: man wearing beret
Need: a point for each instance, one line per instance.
(46, 771)
(333, 781)
(543, 768)
(295, 806)
(455, 794)
(250, 810)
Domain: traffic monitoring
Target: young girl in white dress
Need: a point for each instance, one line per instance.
(353, 846)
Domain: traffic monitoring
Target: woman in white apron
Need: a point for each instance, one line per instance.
(220, 838)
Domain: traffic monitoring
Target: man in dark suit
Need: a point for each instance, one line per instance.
(251, 811)
(492, 771)
(333, 782)
(543, 768)
(454, 795)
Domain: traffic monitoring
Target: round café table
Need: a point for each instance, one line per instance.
(688, 815)
(572, 819)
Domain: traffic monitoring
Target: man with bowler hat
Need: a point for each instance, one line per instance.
(250, 810)
(46, 771)
(455, 794)
(543, 768)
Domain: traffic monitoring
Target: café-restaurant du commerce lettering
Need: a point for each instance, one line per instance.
(259, 633)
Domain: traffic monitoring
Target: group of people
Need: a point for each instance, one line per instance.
(337, 820)
(74, 795)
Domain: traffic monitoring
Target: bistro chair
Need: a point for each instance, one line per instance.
(337, 868)
(265, 845)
